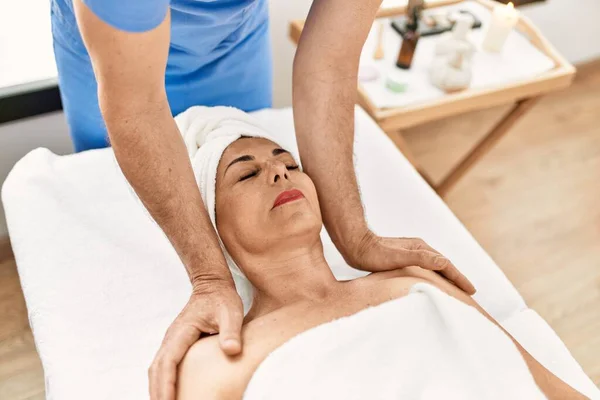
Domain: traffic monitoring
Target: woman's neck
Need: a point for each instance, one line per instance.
(290, 276)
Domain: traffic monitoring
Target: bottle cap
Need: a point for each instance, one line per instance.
(412, 22)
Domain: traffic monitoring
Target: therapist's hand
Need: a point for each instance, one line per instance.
(375, 253)
(214, 306)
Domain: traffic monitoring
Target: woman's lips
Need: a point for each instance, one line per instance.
(287, 196)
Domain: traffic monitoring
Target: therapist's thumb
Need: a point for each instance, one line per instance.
(230, 327)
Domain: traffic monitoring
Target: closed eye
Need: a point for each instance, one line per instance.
(248, 176)
(254, 173)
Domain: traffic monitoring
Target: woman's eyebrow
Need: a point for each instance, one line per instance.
(275, 152)
(239, 159)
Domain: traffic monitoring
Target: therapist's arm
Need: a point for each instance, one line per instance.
(324, 94)
(130, 71)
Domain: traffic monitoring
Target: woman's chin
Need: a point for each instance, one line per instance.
(298, 222)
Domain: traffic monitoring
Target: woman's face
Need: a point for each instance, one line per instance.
(263, 200)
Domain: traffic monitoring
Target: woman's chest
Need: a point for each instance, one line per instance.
(265, 335)
(417, 346)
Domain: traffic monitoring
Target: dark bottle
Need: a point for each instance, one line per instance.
(409, 40)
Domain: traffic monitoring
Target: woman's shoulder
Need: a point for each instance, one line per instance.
(207, 373)
(398, 282)
(200, 372)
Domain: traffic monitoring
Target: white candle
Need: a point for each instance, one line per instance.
(504, 18)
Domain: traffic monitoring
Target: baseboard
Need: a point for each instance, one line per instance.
(5, 249)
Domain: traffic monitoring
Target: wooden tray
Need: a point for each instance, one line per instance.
(391, 119)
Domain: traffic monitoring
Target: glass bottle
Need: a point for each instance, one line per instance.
(409, 41)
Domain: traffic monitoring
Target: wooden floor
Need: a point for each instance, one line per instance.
(533, 204)
(21, 376)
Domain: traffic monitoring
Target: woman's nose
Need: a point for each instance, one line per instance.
(277, 172)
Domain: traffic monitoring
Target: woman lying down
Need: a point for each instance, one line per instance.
(404, 334)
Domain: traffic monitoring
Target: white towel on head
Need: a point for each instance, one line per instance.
(207, 132)
(199, 125)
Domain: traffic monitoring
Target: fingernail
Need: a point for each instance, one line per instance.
(231, 344)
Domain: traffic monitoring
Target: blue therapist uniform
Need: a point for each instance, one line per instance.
(219, 55)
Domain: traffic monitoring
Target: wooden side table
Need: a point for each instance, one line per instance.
(522, 93)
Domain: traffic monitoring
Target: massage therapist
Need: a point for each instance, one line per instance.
(127, 66)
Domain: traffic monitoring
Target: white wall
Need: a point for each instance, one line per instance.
(30, 58)
(572, 29)
(571, 26)
(282, 12)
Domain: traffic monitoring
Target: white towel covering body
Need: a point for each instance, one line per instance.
(425, 346)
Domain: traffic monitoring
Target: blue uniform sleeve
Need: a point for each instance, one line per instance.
(130, 15)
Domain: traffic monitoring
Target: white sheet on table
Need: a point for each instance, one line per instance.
(519, 60)
(102, 283)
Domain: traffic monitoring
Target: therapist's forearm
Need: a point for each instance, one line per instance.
(130, 72)
(324, 94)
(153, 157)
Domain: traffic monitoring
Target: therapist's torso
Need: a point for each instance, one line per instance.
(219, 55)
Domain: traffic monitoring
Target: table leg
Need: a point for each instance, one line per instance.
(401, 144)
(484, 145)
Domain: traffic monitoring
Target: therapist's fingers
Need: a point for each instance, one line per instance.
(197, 317)
(434, 261)
(163, 372)
(455, 276)
(410, 252)
(208, 311)
(230, 320)
(415, 251)
(419, 244)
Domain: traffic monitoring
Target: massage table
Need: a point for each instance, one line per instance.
(102, 283)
